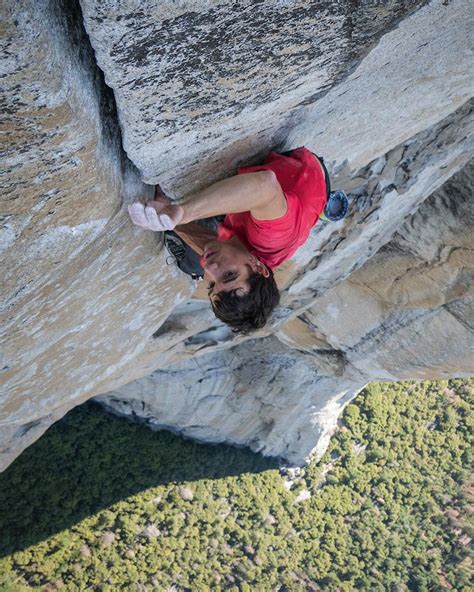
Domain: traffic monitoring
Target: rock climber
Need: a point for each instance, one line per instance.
(269, 212)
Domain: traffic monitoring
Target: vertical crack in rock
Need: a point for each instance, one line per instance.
(74, 44)
(81, 284)
(63, 160)
(225, 80)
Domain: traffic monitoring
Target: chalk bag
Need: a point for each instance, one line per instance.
(336, 208)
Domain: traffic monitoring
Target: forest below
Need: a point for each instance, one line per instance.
(100, 503)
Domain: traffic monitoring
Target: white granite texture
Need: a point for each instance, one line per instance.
(220, 82)
(406, 313)
(89, 306)
(79, 282)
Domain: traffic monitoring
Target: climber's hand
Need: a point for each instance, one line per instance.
(163, 215)
(156, 215)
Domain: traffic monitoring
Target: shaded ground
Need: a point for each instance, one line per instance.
(89, 460)
(99, 503)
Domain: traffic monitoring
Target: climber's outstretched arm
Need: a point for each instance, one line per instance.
(260, 193)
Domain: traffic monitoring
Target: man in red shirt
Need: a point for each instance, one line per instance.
(270, 210)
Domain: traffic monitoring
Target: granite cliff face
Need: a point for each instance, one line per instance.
(89, 306)
(406, 313)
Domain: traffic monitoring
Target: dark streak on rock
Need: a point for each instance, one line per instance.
(237, 54)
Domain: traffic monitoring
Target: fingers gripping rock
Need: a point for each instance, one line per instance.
(147, 216)
(136, 212)
(158, 221)
(152, 217)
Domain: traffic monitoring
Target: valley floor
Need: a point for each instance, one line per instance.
(103, 504)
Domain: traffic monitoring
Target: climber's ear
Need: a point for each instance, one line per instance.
(259, 267)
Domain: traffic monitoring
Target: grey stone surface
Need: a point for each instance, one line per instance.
(416, 76)
(221, 82)
(90, 306)
(79, 283)
(260, 394)
(407, 312)
(60, 184)
(404, 314)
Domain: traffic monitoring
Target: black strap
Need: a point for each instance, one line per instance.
(185, 258)
(183, 255)
(327, 180)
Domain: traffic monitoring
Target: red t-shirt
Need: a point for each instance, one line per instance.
(303, 183)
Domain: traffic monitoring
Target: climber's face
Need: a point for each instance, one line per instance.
(228, 266)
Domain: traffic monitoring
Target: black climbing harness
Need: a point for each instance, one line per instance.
(182, 255)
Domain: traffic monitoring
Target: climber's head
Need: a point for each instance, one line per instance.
(241, 288)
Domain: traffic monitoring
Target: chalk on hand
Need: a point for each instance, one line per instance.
(136, 212)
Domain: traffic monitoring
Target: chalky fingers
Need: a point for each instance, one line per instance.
(137, 214)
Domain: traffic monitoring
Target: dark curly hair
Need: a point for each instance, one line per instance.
(250, 311)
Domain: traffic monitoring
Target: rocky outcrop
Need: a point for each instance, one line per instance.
(89, 304)
(406, 313)
(80, 284)
(277, 400)
(224, 81)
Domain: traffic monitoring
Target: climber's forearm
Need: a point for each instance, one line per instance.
(258, 193)
(195, 235)
(241, 193)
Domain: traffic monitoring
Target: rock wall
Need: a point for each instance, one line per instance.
(80, 284)
(88, 302)
(224, 81)
(406, 313)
